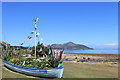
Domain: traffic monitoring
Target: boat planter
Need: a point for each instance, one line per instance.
(53, 72)
(39, 51)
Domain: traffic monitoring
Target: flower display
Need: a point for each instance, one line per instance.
(14, 59)
(27, 57)
(45, 58)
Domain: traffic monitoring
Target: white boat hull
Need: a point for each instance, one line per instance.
(54, 72)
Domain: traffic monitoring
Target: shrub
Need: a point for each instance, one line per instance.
(45, 58)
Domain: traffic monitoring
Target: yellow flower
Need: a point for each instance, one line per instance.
(27, 57)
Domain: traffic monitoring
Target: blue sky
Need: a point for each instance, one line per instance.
(94, 24)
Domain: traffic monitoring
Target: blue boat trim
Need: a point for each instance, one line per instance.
(31, 68)
(18, 66)
(6, 62)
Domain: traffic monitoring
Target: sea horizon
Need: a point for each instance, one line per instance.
(94, 51)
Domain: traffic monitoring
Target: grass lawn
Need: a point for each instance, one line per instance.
(87, 70)
(75, 70)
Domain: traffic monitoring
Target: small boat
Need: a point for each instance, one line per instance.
(52, 73)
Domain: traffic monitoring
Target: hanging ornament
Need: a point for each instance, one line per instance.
(36, 28)
(40, 50)
(59, 65)
(21, 44)
(49, 52)
(36, 20)
(24, 41)
(37, 34)
(32, 32)
(38, 43)
(41, 39)
(30, 37)
(28, 47)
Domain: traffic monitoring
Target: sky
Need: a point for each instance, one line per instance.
(94, 24)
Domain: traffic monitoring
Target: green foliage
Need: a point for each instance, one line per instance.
(3, 47)
(41, 63)
(8, 53)
(28, 61)
(15, 62)
(46, 58)
(47, 52)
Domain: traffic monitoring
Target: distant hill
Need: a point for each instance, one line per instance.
(70, 46)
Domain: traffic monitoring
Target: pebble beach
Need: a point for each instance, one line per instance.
(91, 58)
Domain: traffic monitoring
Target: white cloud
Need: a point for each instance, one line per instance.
(111, 44)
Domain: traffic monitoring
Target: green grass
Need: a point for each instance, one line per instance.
(85, 70)
(10, 74)
(75, 70)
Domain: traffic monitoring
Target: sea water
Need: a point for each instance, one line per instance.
(95, 51)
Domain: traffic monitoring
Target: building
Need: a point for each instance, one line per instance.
(4, 45)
